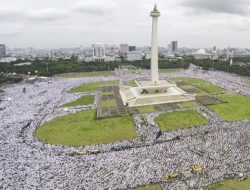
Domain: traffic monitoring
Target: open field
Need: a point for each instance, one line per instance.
(132, 83)
(107, 93)
(83, 128)
(92, 74)
(237, 107)
(198, 86)
(212, 89)
(230, 184)
(146, 109)
(191, 81)
(180, 120)
(92, 86)
(149, 187)
(84, 100)
(187, 104)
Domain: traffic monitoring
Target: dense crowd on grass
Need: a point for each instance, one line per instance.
(221, 148)
(224, 66)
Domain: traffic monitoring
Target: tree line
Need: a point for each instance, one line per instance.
(50, 68)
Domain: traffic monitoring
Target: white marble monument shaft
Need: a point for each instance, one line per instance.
(154, 49)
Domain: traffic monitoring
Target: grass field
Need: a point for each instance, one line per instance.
(185, 87)
(80, 75)
(107, 93)
(146, 109)
(84, 100)
(191, 81)
(204, 87)
(238, 107)
(149, 187)
(230, 184)
(132, 83)
(92, 86)
(187, 105)
(164, 71)
(83, 128)
(110, 103)
(212, 89)
(180, 120)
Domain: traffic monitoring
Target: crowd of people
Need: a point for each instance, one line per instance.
(222, 149)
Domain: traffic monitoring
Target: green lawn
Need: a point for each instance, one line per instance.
(185, 87)
(92, 86)
(146, 109)
(238, 107)
(80, 75)
(212, 89)
(230, 184)
(84, 100)
(163, 71)
(110, 103)
(191, 81)
(108, 93)
(204, 86)
(180, 120)
(83, 128)
(149, 187)
(133, 83)
(187, 105)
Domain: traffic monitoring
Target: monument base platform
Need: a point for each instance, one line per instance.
(150, 94)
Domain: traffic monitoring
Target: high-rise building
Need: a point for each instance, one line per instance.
(174, 46)
(123, 50)
(131, 48)
(2, 50)
(98, 50)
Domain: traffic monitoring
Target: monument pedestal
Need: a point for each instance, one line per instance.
(149, 94)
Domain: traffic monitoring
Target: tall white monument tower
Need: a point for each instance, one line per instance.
(154, 91)
(154, 49)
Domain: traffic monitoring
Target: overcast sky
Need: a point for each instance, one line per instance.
(71, 23)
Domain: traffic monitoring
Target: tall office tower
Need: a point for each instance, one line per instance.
(123, 50)
(2, 50)
(131, 48)
(174, 46)
(98, 50)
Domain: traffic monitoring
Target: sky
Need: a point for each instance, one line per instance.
(74, 23)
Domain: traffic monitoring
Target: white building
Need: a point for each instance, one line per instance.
(134, 56)
(98, 50)
(202, 54)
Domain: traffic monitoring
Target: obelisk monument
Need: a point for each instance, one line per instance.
(154, 49)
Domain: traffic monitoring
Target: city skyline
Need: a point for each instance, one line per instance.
(68, 23)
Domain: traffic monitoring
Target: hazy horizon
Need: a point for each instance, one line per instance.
(72, 23)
